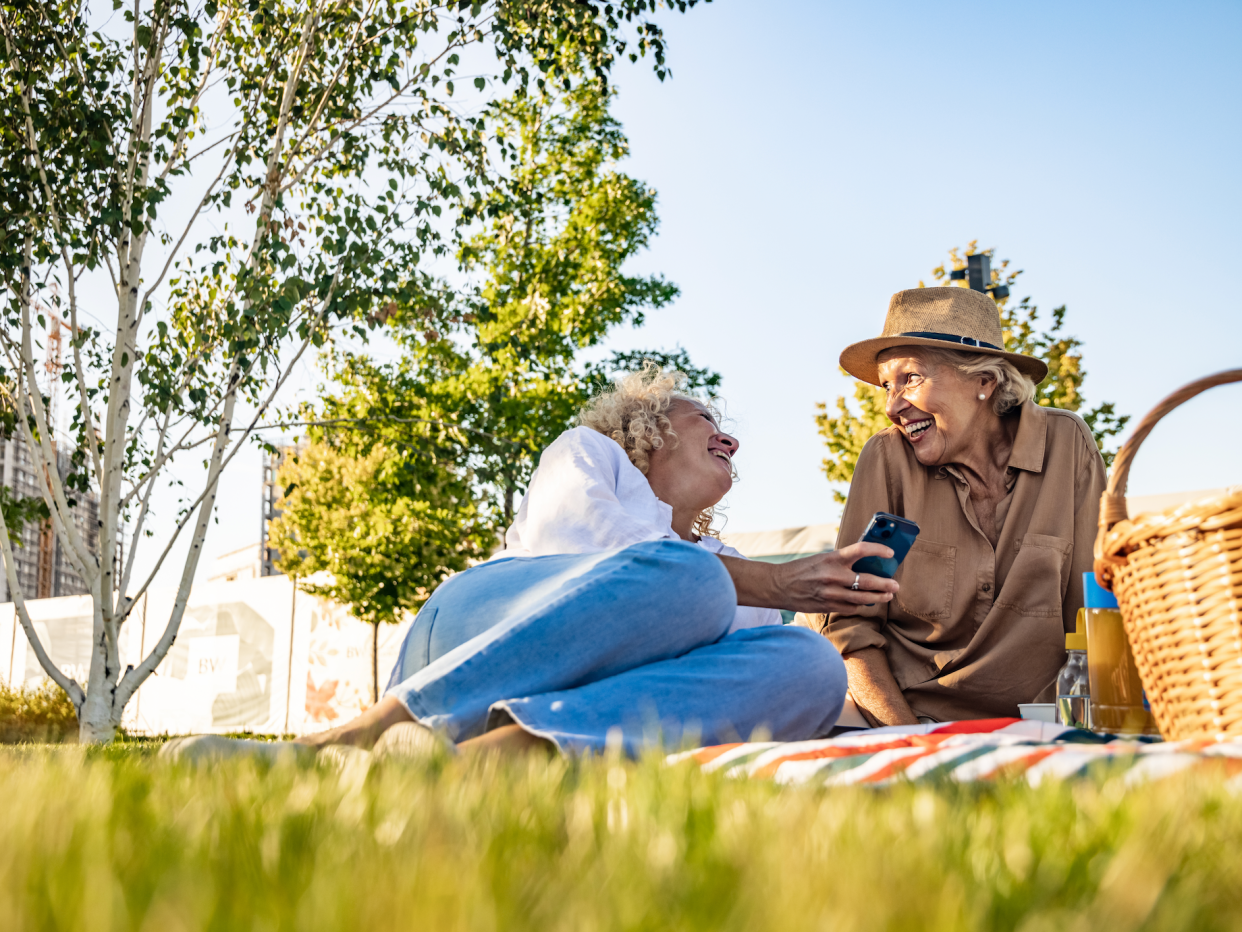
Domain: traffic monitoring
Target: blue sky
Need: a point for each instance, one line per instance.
(813, 158)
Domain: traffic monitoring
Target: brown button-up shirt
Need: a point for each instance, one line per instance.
(976, 629)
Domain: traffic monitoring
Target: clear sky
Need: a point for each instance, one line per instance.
(813, 158)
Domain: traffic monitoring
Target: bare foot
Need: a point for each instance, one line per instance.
(365, 730)
(509, 741)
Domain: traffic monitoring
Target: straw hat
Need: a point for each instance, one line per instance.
(947, 318)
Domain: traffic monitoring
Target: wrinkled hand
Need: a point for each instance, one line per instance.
(822, 583)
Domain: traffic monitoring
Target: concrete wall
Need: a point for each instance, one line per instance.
(251, 655)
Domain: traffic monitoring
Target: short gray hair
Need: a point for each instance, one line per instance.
(1013, 389)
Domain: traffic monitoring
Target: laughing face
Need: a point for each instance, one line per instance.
(938, 411)
(695, 470)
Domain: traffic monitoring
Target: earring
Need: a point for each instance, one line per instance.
(983, 397)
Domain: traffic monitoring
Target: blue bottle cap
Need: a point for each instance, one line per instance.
(1095, 595)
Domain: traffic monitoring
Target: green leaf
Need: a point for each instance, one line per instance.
(261, 272)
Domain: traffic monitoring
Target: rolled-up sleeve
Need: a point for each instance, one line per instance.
(574, 503)
(869, 493)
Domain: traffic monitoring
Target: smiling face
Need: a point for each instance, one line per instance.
(694, 470)
(939, 412)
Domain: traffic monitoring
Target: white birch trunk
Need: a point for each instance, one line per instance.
(105, 697)
(101, 701)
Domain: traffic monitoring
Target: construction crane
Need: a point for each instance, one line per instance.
(46, 581)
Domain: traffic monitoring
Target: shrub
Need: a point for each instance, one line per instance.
(44, 715)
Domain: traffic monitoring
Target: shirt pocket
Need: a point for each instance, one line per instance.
(1036, 580)
(926, 579)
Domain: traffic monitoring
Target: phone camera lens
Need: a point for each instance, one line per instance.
(886, 534)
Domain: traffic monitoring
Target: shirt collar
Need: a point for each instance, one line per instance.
(1028, 445)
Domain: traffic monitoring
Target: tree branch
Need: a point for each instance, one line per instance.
(142, 510)
(134, 677)
(393, 419)
(319, 153)
(183, 133)
(67, 683)
(185, 232)
(49, 481)
(245, 434)
(181, 445)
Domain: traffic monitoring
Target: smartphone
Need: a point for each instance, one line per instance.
(891, 531)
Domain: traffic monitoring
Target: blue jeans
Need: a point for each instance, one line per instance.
(573, 645)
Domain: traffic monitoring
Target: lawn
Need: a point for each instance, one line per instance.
(116, 838)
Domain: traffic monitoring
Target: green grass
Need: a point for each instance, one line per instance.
(115, 838)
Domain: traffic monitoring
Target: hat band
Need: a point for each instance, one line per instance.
(950, 338)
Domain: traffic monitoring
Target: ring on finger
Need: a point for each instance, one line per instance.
(855, 586)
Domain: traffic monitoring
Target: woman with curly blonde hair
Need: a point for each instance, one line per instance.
(613, 609)
(634, 413)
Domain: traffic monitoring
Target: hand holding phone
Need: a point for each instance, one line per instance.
(891, 531)
(818, 584)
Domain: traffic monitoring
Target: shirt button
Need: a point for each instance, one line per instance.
(987, 587)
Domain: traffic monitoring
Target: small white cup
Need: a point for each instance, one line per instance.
(1038, 711)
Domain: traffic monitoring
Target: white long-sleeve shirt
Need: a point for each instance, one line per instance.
(586, 497)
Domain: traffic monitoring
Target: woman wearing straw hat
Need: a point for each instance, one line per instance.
(1005, 493)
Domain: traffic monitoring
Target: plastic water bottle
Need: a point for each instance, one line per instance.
(1073, 682)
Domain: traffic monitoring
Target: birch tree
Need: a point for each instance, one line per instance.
(413, 467)
(205, 192)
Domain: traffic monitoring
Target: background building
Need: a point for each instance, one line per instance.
(43, 571)
(238, 565)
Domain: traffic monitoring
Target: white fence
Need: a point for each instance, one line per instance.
(253, 655)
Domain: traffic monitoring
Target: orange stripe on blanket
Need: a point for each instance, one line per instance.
(1225, 766)
(931, 742)
(895, 767)
(1009, 768)
(1014, 768)
(707, 755)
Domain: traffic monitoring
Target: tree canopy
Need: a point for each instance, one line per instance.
(205, 192)
(490, 371)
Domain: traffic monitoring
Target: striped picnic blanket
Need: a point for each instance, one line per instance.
(987, 749)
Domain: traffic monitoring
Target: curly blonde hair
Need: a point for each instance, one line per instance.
(633, 411)
(1013, 389)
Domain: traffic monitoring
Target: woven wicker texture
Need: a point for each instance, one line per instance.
(1177, 575)
(972, 313)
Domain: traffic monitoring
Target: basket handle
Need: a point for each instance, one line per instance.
(1113, 501)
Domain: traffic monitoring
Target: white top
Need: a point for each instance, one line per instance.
(586, 496)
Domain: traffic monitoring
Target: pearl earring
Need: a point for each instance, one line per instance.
(983, 397)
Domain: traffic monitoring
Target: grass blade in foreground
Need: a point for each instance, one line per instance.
(118, 840)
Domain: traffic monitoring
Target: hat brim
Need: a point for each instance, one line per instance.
(859, 359)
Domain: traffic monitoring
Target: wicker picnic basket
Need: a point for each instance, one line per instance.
(1177, 575)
